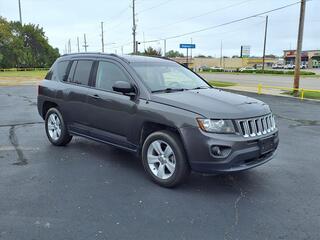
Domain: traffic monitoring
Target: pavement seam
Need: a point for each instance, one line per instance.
(14, 141)
(20, 124)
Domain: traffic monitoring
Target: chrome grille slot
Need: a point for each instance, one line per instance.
(256, 126)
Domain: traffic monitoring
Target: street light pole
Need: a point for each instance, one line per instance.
(102, 37)
(299, 47)
(264, 44)
(20, 12)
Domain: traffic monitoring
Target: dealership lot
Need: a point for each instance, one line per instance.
(89, 190)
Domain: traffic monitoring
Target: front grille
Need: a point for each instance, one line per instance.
(256, 126)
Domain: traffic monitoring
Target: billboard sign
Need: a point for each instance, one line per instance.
(245, 51)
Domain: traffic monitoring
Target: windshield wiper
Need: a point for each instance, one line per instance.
(169, 90)
(202, 87)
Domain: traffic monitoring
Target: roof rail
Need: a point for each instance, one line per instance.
(100, 53)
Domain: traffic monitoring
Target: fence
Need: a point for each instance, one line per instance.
(22, 69)
(302, 91)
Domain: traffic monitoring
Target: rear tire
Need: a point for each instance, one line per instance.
(164, 159)
(56, 128)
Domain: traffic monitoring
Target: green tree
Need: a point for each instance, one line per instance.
(173, 54)
(152, 52)
(24, 46)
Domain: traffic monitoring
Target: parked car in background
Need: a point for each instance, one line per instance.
(203, 68)
(289, 66)
(303, 66)
(215, 68)
(247, 69)
(277, 66)
(157, 109)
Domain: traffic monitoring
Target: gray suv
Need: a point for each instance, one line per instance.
(158, 109)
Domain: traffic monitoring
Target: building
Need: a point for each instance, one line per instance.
(226, 63)
(309, 57)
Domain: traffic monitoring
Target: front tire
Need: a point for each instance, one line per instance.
(164, 159)
(56, 128)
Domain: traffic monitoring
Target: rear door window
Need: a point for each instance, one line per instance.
(82, 72)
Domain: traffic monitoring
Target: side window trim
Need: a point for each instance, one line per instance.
(70, 80)
(93, 74)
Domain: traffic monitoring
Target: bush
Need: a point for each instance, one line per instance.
(259, 71)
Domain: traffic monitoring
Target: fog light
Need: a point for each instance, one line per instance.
(220, 151)
(216, 151)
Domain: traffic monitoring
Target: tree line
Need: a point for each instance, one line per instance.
(24, 46)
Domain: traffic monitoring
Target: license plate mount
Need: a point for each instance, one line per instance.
(266, 145)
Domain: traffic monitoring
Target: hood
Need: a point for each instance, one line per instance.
(214, 103)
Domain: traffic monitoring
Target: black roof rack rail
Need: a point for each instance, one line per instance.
(98, 53)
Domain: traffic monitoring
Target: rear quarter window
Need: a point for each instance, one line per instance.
(60, 71)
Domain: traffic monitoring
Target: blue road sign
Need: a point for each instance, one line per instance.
(187, 45)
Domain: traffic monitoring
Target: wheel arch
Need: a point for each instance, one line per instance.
(46, 106)
(151, 127)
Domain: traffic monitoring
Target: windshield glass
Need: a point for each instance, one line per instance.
(168, 76)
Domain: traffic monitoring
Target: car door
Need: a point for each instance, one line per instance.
(111, 113)
(76, 93)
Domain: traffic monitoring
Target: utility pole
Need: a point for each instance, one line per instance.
(299, 47)
(102, 37)
(78, 44)
(137, 45)
(121, 50)
(264, 43)
(221, 54)
(144, 42)
(134, 27)
(85, 43)
(191, 50)
(69, 46)
(164, 47)
(20, 12)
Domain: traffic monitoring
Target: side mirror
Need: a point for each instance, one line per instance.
(124, 87)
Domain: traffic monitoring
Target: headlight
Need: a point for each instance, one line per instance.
(216, 126)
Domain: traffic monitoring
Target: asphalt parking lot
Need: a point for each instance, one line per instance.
(89, 190)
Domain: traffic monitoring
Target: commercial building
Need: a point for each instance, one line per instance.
(309, 57)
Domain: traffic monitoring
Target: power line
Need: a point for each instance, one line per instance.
(224, 24)
(201, 15)
(155, 6)
(118, 14)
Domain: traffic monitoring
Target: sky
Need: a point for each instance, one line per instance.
(158, 19)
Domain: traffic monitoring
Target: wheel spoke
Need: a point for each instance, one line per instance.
(167, 152)
(170, 166)
(54, 135)
(50, 126)
(58, 131)
(157, 147)
(52, 119)
(160, 172)
(152, 159)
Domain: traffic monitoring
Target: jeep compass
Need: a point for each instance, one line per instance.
(158, 109)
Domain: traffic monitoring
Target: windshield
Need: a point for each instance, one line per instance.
(168, 76)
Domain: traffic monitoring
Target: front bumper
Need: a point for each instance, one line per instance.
(239, 153)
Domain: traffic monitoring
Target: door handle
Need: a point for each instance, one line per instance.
(96, 96)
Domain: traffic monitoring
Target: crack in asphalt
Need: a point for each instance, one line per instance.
(301, 122)
(20, 124)
(25, 98)
(242, 194)
(14, 141)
